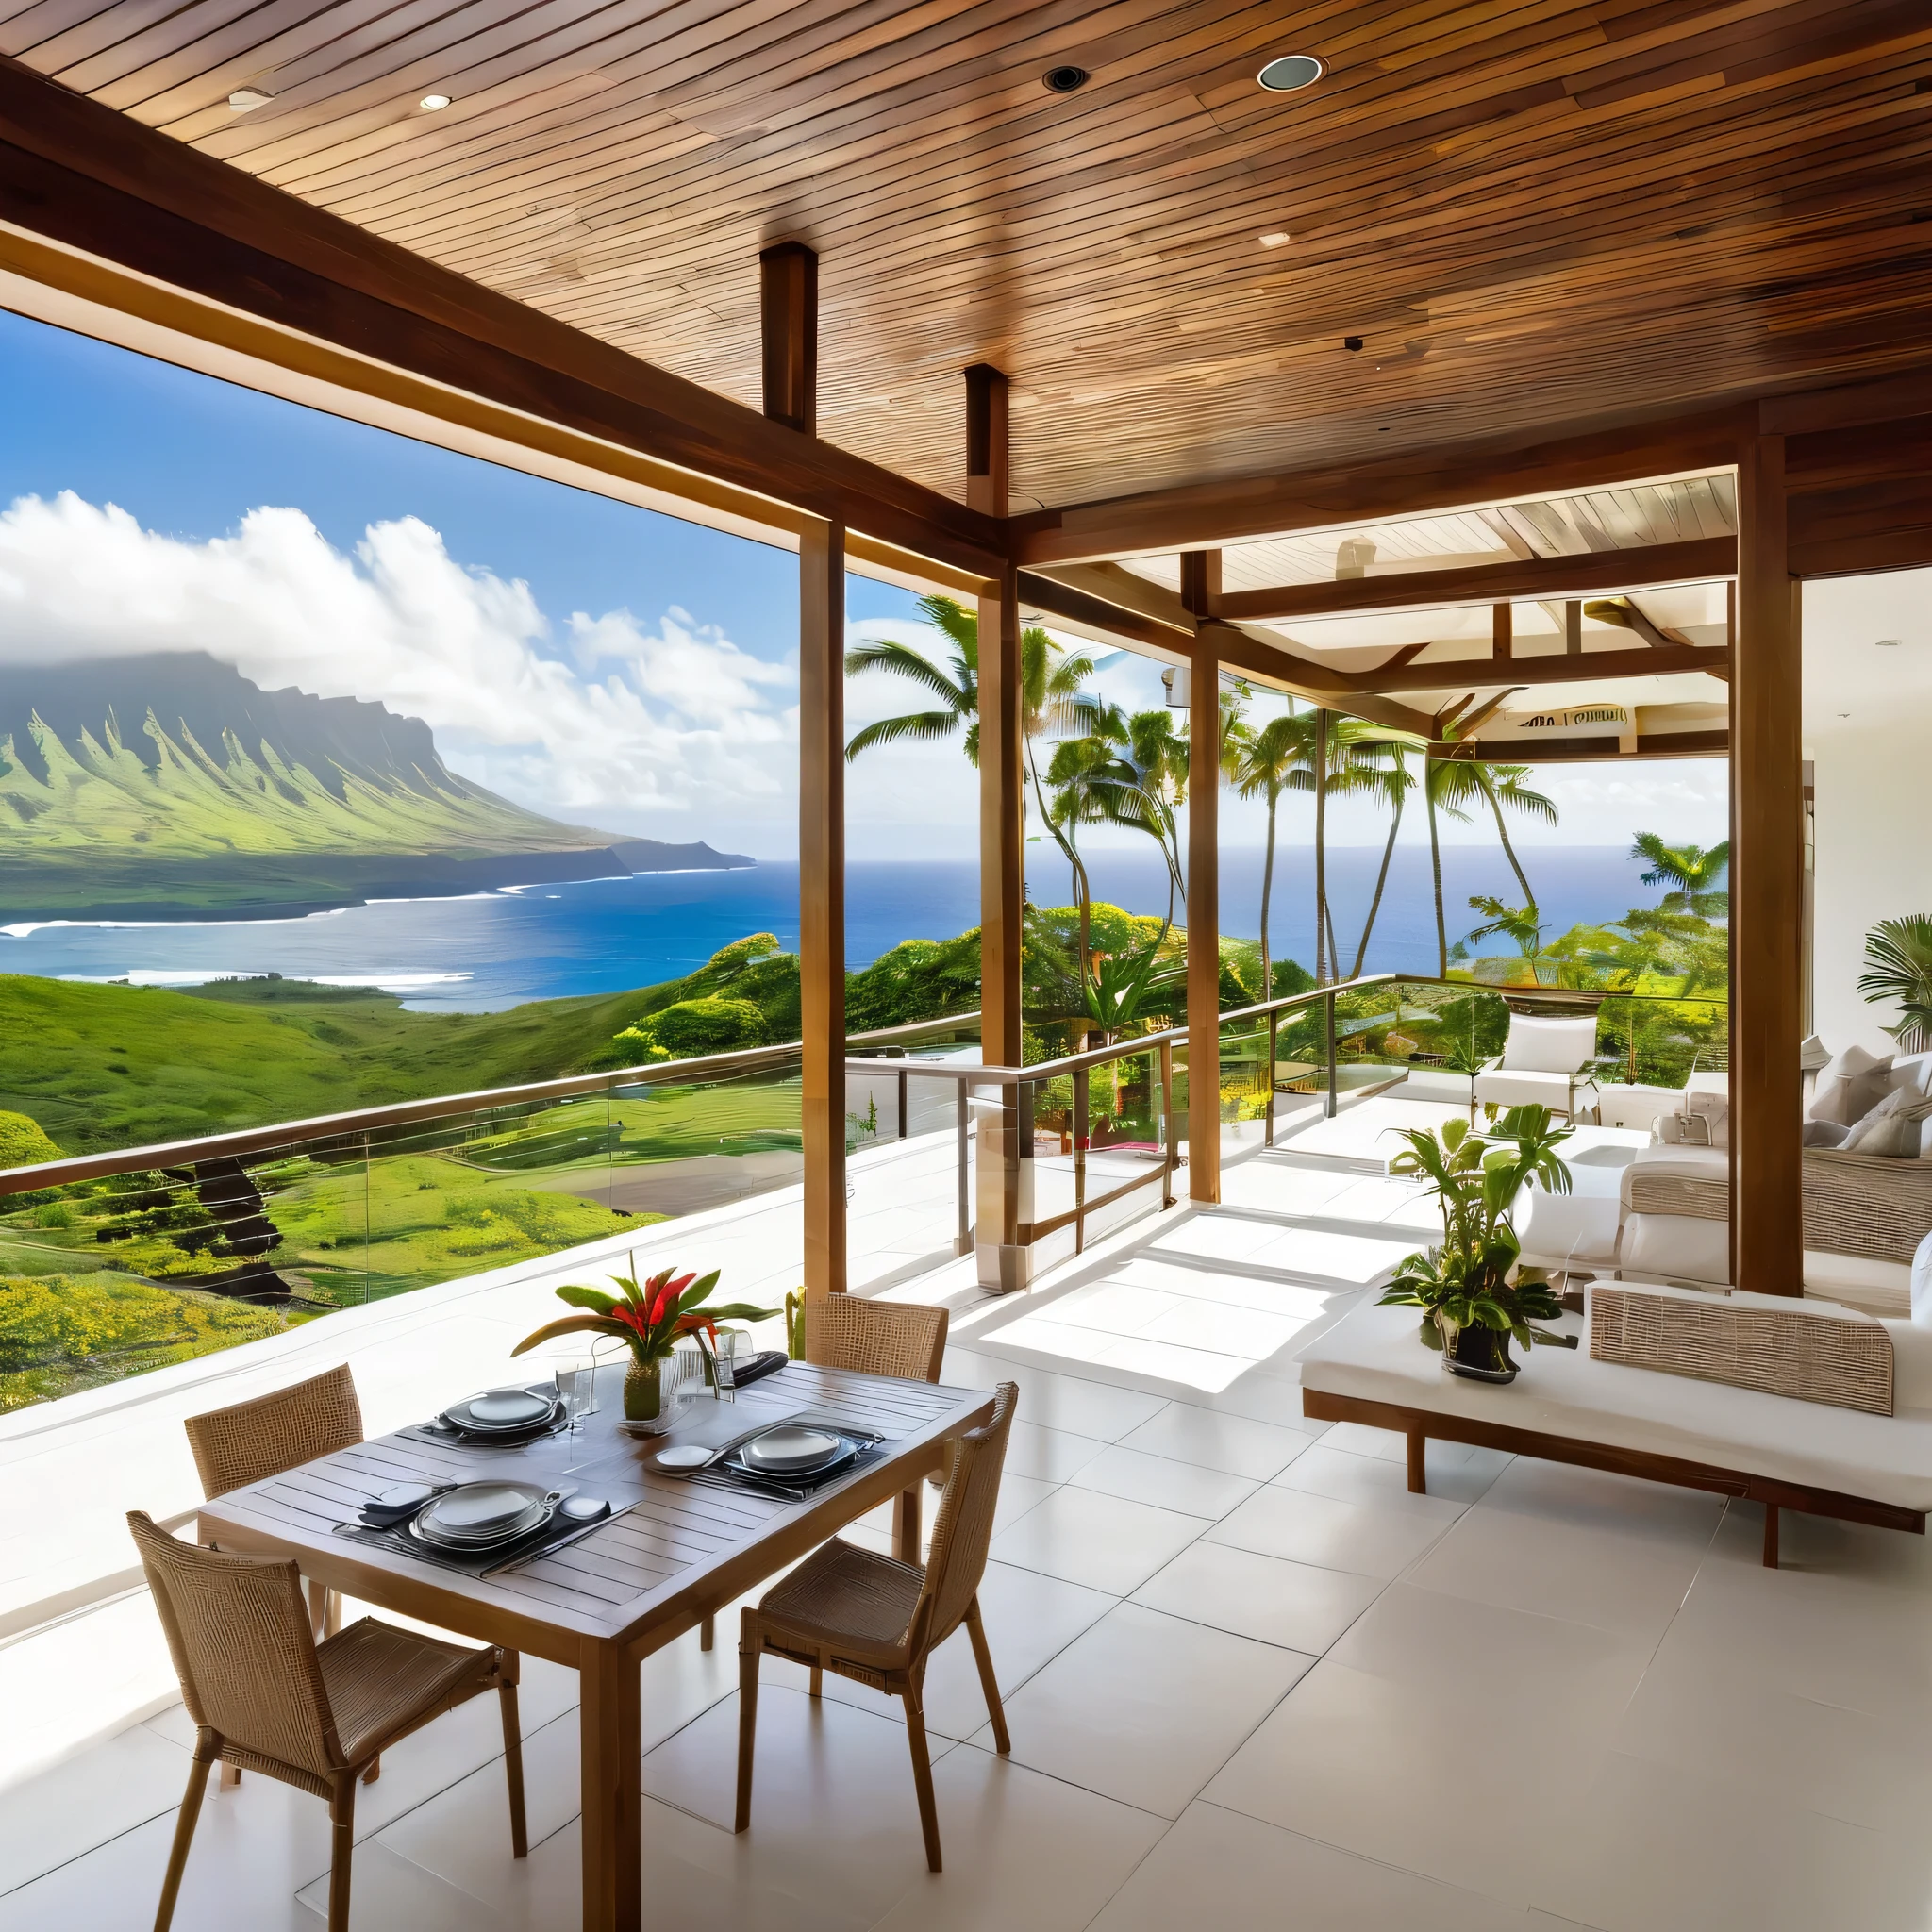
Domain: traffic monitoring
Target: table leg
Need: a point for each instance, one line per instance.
(612, 1746)
(1418, 1463)
(906, 1525)
(1770, 1536)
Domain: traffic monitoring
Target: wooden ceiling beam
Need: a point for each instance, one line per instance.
(1466, 475)
(89, 178)
(1559, 667)
(1524, 579)
(1569, 751)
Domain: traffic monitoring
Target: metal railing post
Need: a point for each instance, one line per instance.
(902, 1103)
(1274, 1036)
(1169, 1161)
(962, 1242)
(1080, 1114)
(1328, 1021)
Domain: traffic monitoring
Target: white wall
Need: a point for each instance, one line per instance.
(1868, 729)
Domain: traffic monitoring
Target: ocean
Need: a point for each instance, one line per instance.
(493, 950)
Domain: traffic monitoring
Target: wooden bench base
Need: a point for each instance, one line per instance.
(1419, 1424)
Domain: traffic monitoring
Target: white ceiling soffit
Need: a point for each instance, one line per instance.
(1594, 521)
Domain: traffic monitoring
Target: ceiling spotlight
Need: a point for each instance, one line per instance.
(430, 103)
(1291, 71)
(243, 98)
(1278, 239)
(1353, 344)
(1064, 80)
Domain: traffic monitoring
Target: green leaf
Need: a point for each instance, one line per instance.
(573, 1324)
(697, 1292)
(591, 1298)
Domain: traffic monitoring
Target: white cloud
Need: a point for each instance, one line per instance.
(642, 722)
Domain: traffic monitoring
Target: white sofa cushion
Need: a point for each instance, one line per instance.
(1374, 1354)
(1674, 1247)
(1548, 1047)
(1553, 1091)
(1912, 1364)
(1849, 1087)
(1704, 1164)
(1892, 1128)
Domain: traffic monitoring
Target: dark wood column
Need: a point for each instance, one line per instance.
(1002, 776)
(1200, 591)
(1767, 889)
(1003, 1263)
(822, 899)
(788, 313)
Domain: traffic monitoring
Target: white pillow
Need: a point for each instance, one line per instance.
(1824, 1134)
(1894, 1127)
(1674, 1247)
(1912, 1072)
(1548, 1047)
(1849, 1087)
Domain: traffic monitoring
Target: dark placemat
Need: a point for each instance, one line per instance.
(555, 1535)
(731, 1474)
(444, 1437)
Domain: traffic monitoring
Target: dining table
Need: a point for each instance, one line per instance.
(678, 1550)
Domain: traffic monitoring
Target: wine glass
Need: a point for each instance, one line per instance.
(577, 1390)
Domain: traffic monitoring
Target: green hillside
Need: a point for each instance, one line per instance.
(122, 1066)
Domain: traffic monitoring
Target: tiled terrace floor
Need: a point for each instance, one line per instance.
(1251, 1681)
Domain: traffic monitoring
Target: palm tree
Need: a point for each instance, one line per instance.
(1898, 954)
(1441, 787)
(1518, 925)
(1695, 875)
(1383, 766)
(1467, 782)
(1266, 762)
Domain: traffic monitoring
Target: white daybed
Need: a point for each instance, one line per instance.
(1564, 1406)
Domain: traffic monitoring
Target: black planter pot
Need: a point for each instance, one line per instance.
(1480, 1355)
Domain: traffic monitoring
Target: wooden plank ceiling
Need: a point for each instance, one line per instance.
(1529, 213)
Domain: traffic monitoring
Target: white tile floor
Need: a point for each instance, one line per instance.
(1251, 1682)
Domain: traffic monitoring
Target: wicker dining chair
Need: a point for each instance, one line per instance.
(903, 1339)
(233, 1447)
(876, 1621)
(265, 1695)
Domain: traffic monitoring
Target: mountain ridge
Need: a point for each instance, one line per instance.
(223, 797)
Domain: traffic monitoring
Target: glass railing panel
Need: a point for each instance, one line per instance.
(912, 1159)
(470, 1193)
(682, 1147)
(103, 1279)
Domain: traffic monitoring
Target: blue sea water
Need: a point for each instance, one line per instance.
(493, 950)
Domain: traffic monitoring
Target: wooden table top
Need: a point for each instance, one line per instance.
(681, 1550)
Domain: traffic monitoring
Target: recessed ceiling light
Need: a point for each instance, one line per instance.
(243, 98)
(1353, 344)
(1290, 71)
(1278, 239)
(1064, 80)
(432, 101)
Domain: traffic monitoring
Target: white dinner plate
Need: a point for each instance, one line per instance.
(792, 1449)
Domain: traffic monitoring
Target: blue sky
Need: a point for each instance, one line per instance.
(608, 664)
(187, 455)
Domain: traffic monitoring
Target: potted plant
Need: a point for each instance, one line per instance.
(651, 1318)
(1474, 1293)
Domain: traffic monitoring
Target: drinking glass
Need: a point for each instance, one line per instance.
(724, 1353)
(576, 1388)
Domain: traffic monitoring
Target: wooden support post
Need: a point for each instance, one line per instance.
(822, 899)
(1003, 1265)
(789, 310)
(1573, 627)
(1767, 891)
(1200, 591)
(1502, 631)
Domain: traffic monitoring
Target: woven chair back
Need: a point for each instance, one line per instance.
(238, 1627)
(233, 1447)
(964, 1527)
(903, 1339)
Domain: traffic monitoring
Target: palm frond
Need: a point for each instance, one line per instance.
(921, 726)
